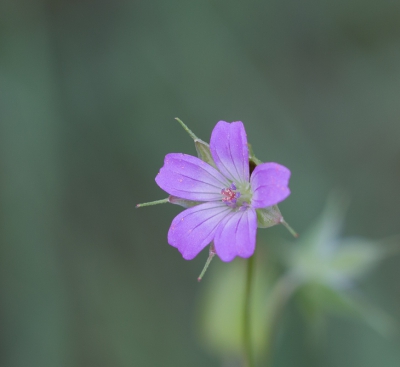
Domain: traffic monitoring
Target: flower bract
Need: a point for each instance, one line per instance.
(227, 196)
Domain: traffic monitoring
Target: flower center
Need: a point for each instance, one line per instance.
(234, 198)
(229, 196)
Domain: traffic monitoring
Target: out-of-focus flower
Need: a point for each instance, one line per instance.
(224, 198)
(326, 268)
(319, 274)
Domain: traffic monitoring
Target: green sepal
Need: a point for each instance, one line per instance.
(182, 202)
(202, 148)
(268, 217)
(253, 160)
(203, 152)
(252, 156)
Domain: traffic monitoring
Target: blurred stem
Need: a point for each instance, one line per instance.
(248, 352)
(280, 294)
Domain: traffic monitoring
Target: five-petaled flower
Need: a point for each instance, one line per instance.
(229, 195)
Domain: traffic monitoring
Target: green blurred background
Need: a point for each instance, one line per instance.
(88, 95)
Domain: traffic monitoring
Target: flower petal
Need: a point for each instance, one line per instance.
(229, 149)
(190, 178)
(194, 228)
(269, 183)
(236, 235)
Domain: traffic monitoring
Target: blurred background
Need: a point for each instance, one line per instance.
(88, 95)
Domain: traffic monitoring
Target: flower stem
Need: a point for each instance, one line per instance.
(190, 132)
(289, 228)
(248, 352)
(163, 201)
(210, 257)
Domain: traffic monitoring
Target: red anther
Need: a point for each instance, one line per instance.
(228, 195)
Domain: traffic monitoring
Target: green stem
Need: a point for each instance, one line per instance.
(211, 254)
(163, 201)
(289, 228)
(248, 352)
(190, 132)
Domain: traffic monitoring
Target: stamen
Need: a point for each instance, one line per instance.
(228, 196)
(233, 186)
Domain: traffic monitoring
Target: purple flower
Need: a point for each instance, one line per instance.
(229, 196)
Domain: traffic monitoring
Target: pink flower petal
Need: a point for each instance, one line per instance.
(190, 178)
(236, 235)
(194, 228)
(269, 183)
(229, 150)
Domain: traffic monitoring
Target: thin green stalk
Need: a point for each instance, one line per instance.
(289, 228)
(190, 132)
(248, 351)
(211, 254)
(163, 201)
